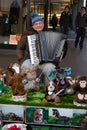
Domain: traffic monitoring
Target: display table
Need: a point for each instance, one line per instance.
(34, 112)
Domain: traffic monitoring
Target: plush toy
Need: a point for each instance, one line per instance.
(80, 88)
(63, 82)
(16, 84)
(51, 94)
(31, 78)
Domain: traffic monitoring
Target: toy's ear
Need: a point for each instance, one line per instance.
(9, 71)
(77, 78)
(46, 88)
(16, 67)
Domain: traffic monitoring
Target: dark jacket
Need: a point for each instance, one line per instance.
(14, 12)
(81, 21)
(65, 19)
(54, 21)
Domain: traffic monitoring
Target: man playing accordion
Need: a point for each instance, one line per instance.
(52, 54)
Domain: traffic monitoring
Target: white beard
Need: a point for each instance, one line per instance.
(46, 67)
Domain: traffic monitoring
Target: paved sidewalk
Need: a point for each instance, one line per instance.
(7, 56)
(76, 59)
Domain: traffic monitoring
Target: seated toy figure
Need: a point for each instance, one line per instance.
(51, 93)
(31, 77)
(80, 88)
(16, 84)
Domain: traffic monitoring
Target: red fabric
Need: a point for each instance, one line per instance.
(14, 127)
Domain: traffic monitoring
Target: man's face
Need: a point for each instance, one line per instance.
(66, 9)
(38, 26)
(83, 11)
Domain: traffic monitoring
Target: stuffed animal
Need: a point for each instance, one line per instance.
(63, 82)
(80, 88)
(51, 94)
(16, 84)
(31, 77)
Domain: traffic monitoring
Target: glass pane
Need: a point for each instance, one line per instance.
(10, 17)
(13, 14)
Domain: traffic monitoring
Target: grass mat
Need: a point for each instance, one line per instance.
(34, 98)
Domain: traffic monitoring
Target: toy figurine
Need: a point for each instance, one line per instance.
(51, 94)
(80, 88)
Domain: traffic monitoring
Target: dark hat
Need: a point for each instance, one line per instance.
(35, 18)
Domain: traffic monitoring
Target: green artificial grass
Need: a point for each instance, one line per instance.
(34, 98)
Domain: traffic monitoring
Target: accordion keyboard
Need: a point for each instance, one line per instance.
(34, 56)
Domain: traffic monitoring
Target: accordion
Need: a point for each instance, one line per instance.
(45, 46)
